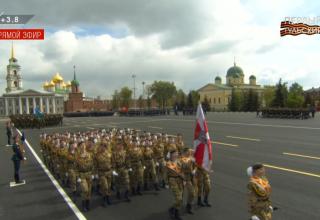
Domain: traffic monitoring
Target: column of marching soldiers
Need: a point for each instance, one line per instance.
(126, 162)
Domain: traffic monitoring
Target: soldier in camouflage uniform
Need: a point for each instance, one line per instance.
(120, 166)
(103, 164)
(180, 143)
(176, 181)
(63, 162)
(259, 191)
(188, 167)
(150, 166)
(71, 168)
(158, 150)
(84, 164)
(204, 186)
(135, 156)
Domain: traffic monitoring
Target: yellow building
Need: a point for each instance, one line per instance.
(219, 94)
(58, 86)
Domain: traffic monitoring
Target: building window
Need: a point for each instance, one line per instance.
(219, 100)
(214, 100)
(15, 72)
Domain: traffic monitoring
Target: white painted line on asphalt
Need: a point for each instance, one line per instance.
(155, 127)
(65, 196)
(257, 125)
(244, 138)
(301, 155)
(225, 144)
(91, 128)
(292, 171)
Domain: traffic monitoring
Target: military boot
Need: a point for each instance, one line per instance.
(200, 202)
(139, 191)
(156, 187)
(84, 206)
(126, 196)
(133, 190)
(177, 215)
(171, 212)
(118, 195)
(88, 204)
(108, 200)
(206, 202)
(146, 187)
(189, 209)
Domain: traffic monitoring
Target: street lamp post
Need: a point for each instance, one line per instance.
(134, 90)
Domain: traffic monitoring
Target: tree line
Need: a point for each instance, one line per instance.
(164, 93)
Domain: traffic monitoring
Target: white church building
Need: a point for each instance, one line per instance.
(17, 100)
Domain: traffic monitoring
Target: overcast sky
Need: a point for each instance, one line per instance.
(188, 42)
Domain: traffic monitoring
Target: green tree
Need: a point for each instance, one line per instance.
(235, 102)
(308, 100)
(250, 101)
(180, 99)
(295, 96)
(162, 92)
(281, 95)
(269, 95)
(125, 97)
(115, 100)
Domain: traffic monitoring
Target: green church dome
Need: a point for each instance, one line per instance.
(235, 71)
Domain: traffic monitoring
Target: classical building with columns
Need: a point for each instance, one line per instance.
(219, 94)
(17, 100)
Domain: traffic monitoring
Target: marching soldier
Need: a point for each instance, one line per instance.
(17, 157)
(176, 181)
(150, 168)
(135, 163)
(103, 165)
(158, 149)
(188, 168)
(84, 163)
(71, 168)
(204, 186)
(180, 143)
(120, 166)
(259, 191)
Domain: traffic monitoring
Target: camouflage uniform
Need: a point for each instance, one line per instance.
(63, 164)
(120, 164)
(135, 156)
(71, 169)
(175, 180)
(84, 163)
(259, 191)
(188, 168)
(204, 186)
(158, 150)
(103, 165)
(150, 170)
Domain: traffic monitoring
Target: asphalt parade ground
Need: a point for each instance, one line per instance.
(289, 148)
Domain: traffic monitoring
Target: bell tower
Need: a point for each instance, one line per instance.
(14, 79)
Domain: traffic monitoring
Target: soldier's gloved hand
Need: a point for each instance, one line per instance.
(97, 176)
(24, 158)
(194, 172)
(115, 173)
(144, 167)
(67, 174)
(92, 177)
(157, 164)
(271, 208)
(130, 169)
(79, 180)
(255, 217)
(58, 166)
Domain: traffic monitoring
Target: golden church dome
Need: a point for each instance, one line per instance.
(46, 84)
(57, 78)
(51, 84)
(68, 84)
